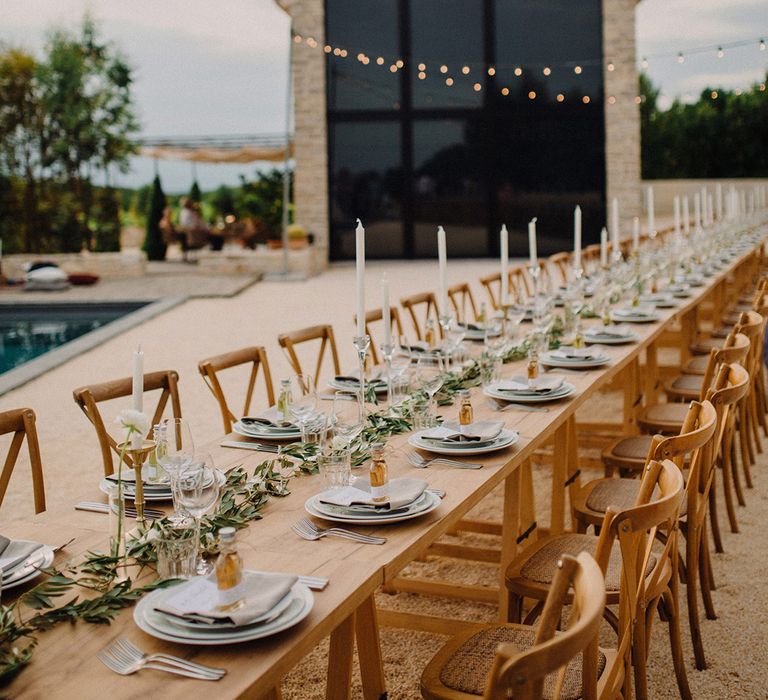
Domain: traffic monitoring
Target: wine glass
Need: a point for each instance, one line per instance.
(401, 357)
(429, 376)
(198, 486)
(348, 417)
(175, 453)
(303, 400)
(494, 337)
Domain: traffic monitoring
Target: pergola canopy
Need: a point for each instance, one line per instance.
(219, 149)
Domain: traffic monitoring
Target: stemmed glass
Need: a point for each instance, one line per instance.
(348, 418)
(401, 357)
(430, 373)
(303, 401)
(177, 452)
(198, 485)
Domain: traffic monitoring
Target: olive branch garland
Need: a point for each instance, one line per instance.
(243, 498)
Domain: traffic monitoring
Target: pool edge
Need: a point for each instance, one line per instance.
(18, 376)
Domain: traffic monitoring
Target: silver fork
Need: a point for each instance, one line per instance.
(115, 659)
(309, 531)
(507, 406)
(133, 651)
(420, 462)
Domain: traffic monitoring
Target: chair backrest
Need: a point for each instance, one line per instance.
(88, 397)
(590, 258)
(698, 428)
(562, 263)
(545, 279)
(523, 673)
(257, 357)
(635, 529)
(518, 286)
(423, 304)
(735, 349)
(751, 324)
(324, 333)
(21, 422)
(462, 302)
(378, 315)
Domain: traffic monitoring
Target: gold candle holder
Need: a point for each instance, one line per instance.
(138, 454)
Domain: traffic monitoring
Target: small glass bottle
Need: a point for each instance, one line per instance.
(483, 317)
(466, 415)
(229, 571)
(155, 471)
(284, 400)
(379, 474)
(533, 366)
(429, 334)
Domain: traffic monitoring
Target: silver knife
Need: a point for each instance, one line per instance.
(250, 446)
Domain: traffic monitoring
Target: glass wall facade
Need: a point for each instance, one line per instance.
(465, 113)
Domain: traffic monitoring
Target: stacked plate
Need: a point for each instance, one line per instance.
(476, 331)
(21, 561)
(153, 617)
(267, 426)
(680, 291)
(659, 300)
(609, 335)
(486, 436)
(351, 383)
(635, 314)
(359, 512)
(153, 491)
(520, 390)
(575, 358)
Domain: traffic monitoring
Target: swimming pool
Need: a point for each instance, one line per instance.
(28, 331)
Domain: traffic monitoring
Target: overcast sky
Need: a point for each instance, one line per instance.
(205, 67)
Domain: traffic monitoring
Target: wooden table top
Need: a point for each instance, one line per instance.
(65, 663)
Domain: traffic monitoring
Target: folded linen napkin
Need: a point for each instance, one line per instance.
(402, 492)
(271, 418)
(521, 385)
(129, 479)
(451, 431)
(348, 379)
(565, 352)
(198, 599)
(472, 326)
(15, 554)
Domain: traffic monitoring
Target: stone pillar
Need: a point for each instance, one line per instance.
(622, 113)
(310, 193)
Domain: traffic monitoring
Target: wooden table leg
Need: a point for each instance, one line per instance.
(688, 329)
(559, 475)
(633, 397)
(369, 651)
(340, 661)
(509, 533)
(652, 380)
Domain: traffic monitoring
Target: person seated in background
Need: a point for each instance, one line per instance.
(167, 228)
(197, 234)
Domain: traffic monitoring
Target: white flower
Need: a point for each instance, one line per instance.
(133, 420)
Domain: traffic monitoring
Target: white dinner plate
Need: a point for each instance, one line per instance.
(160, 626)
(550, 361)
(150, 495)
(421, 504)
(627, 317)
(30, 569)
(379, 386)
(504, 439)
(564, 391)
(432, 502)
(610, 339)
(266, 434)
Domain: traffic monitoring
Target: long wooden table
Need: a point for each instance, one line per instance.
(65, 662)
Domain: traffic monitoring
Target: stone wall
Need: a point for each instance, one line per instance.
(310, 127)
(622, 113)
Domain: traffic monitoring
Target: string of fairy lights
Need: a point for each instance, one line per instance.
(474, 72)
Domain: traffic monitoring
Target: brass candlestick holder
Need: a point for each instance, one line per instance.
(138, 453)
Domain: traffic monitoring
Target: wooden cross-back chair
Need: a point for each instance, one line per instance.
(562, 263)
(255, 356)
(590, 258)
(636, 579)
(21, 422)
(462, 301)
(422, 304)
(518, 286)
(323, 333)
(88, 398)
(526, 283)
(396, 326)
(530, 663)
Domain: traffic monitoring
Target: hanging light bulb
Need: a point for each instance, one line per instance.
(380, 60)
(422, 75)
(610, 67)
(505, 91)
(585, 99)
(720, 52)
(547, 71)
(399, 63)
(680, 57)
(762, 45)
(449, 82)
(577, 70)
(422, 67)
(443, 69)
(327, 48)
(465, 70)
(611, 100)
(644, 62)
(518, 71)
(491, 71)
(477, 87)
(713, 94)
(560, 97)
(531, 95)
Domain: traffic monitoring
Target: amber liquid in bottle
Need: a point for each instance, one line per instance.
(379, 476)
(533, 368)
(466, 414)
(429, 336)
(229, 574)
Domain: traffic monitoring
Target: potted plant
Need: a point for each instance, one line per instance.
(297, 237)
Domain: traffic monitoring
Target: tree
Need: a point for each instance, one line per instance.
(107, 235)
(154, 243)
(194, 193)
(223, 201)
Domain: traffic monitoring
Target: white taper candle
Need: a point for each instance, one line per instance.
(504, 247)
(360, 277)
(577, 238)
(533, 253)
(442, 256)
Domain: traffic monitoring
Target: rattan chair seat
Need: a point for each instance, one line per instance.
(468, 668)
(620, 493)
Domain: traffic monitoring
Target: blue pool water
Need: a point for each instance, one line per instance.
(30, 330)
